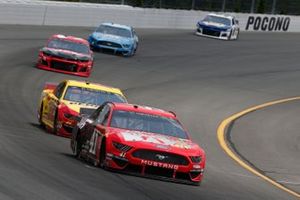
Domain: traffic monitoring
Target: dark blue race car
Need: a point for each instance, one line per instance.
(219, 26)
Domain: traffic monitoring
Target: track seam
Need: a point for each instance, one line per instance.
(226, 146)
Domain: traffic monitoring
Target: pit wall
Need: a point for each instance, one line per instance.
(33, 12)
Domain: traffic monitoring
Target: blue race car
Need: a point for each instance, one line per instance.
(118, 38)
(219, 26)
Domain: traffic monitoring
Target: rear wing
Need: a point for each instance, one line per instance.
(50, 86)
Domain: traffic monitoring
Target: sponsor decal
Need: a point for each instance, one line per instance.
(159, 164)
(160, 146)
(163, 141)
(268, 23)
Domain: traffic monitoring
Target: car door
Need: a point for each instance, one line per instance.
(96, 129)
(54, 100)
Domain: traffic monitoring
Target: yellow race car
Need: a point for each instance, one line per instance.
(61, 105)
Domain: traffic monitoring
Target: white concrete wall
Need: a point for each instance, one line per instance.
(33, 12)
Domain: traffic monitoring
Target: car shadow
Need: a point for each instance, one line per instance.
(44, 130)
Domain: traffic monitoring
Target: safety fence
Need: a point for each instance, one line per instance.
(291, 7)
(32, 12)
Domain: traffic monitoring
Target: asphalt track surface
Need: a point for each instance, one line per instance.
(203, 80)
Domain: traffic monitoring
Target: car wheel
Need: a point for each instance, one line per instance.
(137, 44)
(237, 35)
(102, 160)
(41, 116)
(55, 125)
(229, 36)
(77, 146)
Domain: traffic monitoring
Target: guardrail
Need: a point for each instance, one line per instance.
(29, 12)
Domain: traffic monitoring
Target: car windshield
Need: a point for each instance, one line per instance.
(147, 123)
(68, 45)
(111, 30)
(91, 96)
(219, 20)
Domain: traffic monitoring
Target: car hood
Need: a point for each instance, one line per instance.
(155, 141)
(214, 25)
(66, 54)
(111, 38)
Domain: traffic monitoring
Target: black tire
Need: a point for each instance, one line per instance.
(78, 145)
(137, 44)
(102, 163)
(237, 36)
(55, 123)
(41, 116)
(229, 37)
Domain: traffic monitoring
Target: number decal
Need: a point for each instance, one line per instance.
(93, 141)
(82, 123)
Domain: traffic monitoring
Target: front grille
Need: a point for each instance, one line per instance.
(211, 32)
(109, 44)
(163, 157)
(86, 111)
(65, 57)
(64, 66)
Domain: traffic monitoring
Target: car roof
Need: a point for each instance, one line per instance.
(70, 38)
(143, 109)
(221, 15)
(117, 25)
(96, 86)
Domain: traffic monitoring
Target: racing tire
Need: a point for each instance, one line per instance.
(137, 44)
(102, 160)
(41, 116)
(229, 36)
(55, 123)
(77, 146)
(237, 35)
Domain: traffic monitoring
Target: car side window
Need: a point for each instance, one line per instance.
(103, 115)
(59, 90)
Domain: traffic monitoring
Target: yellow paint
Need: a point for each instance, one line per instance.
(221, 132)
(48, 99)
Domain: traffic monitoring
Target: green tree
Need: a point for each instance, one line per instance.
(237, 6)
(261, 6)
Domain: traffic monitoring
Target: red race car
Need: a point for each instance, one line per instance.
(140, 140)
(66, 54)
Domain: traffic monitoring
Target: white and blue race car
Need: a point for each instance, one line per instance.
(219, 26)
(118, 38)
